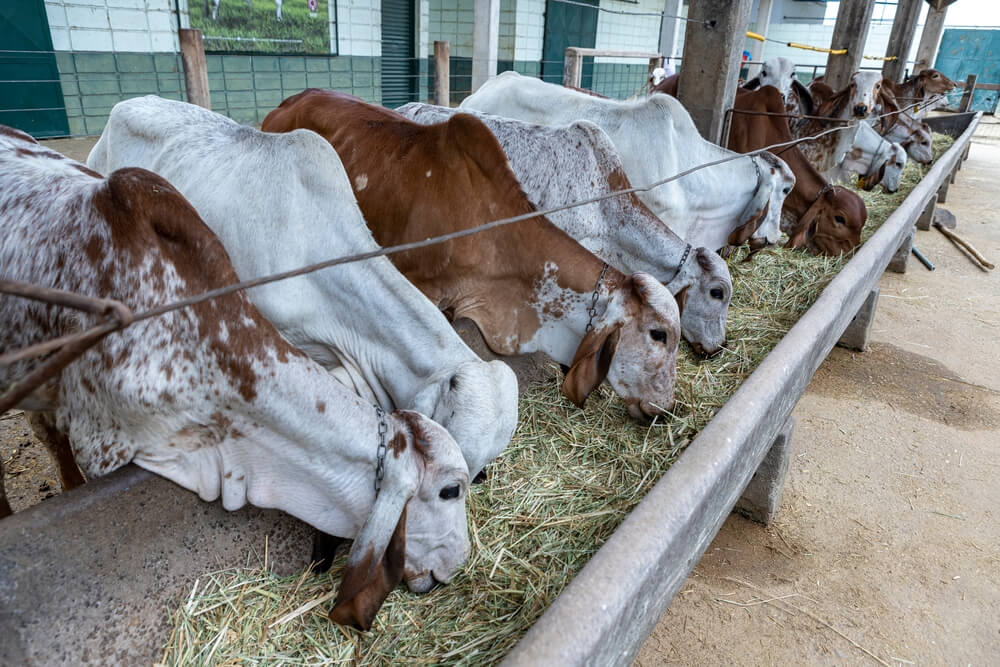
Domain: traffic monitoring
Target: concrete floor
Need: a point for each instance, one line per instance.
(886, 549)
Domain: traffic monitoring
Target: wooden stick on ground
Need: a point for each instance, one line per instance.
(965, 245)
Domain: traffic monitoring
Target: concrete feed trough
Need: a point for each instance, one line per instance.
(88, 576)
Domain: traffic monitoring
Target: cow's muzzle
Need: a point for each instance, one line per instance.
(860, 110)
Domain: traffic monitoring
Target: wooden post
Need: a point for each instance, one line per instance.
(970, 89)
(195, 67)
(713, 46)
(930, 39)
(442, 73)
(904, 27)
(850, 32)
(572, 67)
(485, 41)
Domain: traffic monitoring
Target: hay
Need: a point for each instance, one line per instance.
(557, 493)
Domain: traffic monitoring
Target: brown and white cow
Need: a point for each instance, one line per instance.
(916, 95)
(824, 218)
(527, 286)
(211, 396)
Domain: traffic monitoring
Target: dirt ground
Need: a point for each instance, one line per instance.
(886, 548)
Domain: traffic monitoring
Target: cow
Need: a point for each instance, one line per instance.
(875, 160)
(556, 165)
(823, 218)
(527, 286)
(780, 73)
(727, 204)
(916, 95)
(278, 202)
(211, 396)
(896, 125)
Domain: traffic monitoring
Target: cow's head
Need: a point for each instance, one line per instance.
(777, 72)
(918, 145)
(704, 300)
(934, 82)
(417, 529)
(633, 346)
(832, 225)
(761, 218)
(865, 90)
(890, 169)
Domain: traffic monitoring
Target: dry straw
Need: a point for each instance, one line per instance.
(557, 493)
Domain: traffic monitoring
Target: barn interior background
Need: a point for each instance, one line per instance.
(66, 63)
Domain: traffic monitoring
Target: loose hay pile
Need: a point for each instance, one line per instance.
(557, 493)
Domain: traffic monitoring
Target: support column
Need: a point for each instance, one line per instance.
(195, 67)
(930, 39)
(762, 496)
(850, 32)
(760, 27)
(904, 27)
(670, 30)
(898, 262)
(859, 331)
(712, 58)
(927, 217)
(485, 41)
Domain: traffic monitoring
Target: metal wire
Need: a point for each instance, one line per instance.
(628, 13)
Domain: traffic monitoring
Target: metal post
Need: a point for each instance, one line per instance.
(485, 41)
(195, 67)
(970, 89)
(904, 27)
(670, 29)
(930, 39)
(713, 44)
(760, 27)
(850, 32)
(572, 68)
(442, 73)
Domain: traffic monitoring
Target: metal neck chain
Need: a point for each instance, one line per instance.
(383, 428)
(592, 311)
(687, 251)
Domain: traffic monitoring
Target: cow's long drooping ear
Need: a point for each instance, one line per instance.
(873, 177)
(742, 234)
(803, 233)
(591, 363)
(805, 97)
(375, 563)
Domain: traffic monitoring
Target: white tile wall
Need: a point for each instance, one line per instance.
(452, 20)
(623, 32)
(114, 25)
(529, 30)
(360, 27)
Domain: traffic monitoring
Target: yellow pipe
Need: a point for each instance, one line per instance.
(878, 58)
(836, 52)
(753, 35)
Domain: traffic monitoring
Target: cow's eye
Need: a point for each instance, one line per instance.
(450, 492)
(659, 335)
(763, 72)
(716, 293)
(786, 191)
(841, 220)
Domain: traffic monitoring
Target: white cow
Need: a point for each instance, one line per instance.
(556, 165)
(874, 158)
(723, 205)
(280, 201)
(780, 73)
(211, 396)
(912, 134)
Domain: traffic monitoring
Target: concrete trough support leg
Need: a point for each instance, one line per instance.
(943, 192)
(859, 331)
(762, 496)
(898, 262)
(927, 217)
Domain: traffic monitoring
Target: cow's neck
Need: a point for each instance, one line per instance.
(307, 447)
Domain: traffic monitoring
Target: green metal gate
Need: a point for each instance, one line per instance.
(399, 81)
(31, 98)
(568, 25)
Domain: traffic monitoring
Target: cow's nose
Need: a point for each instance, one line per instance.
(861, 110)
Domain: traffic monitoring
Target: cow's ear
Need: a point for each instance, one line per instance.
(591, 363)
(742, 234)
(802, 234)
(704, 261)
(805, 97)
(752, 84)
(471, 136)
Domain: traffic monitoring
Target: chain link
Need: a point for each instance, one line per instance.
(592, 311)
(383, 428)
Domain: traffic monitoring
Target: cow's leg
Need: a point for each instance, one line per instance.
(762, 494)
(857, 333)
(59, 447)
(324, 548)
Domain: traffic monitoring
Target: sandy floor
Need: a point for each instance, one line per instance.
(887, 546)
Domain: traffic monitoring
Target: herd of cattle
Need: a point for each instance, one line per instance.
(344, 397)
